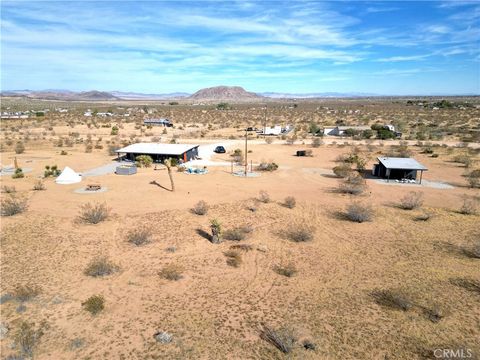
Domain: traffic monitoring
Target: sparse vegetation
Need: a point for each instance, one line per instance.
(94, 213)
(144, 161)
(283, 339)
(200, 208)
(264, 197)
(19, 148)
(100, 266)
(236, 234)
(28, 337)
(216, 229)
(139, 236)
(18, 174)
(267, 166)
(287, 270)
(412, 200)
(234, 257)
(13, 205)
(392, 299)
(290, 202)
(469, 206)
(25, 292)
(172, 272)
(8, 189)
(354, 184)
(300, 232)
(94, 304)
(359, 212)
(39, 185)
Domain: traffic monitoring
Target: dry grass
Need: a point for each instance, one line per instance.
(287, 270)
(200, 208)
(264, 197)
(139, 236)
(300, 232)
(25, 292)
(234, 258)
(290, 202)
(172, 272)
(13, 205)
(100, 266)
(412, 200)
(94, 213)
(283, 339)
(392, 299)
(242, 247)
(358, 212)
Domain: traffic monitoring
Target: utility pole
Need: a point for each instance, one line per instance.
(265, 121)
(246, 151)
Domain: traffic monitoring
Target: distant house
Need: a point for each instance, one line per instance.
(340, 130)
(398, 168)
(160, 122)
(159, 152)
(275, 130)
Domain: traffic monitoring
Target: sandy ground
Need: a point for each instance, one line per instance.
(215, 311)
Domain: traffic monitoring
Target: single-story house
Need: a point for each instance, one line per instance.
(398, 168)
(161, 122)
(159, 152)
(340, 130)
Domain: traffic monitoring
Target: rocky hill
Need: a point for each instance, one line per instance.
(235, 93)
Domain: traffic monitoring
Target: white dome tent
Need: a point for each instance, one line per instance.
(68, 176)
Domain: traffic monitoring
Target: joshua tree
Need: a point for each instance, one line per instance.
(168, 164)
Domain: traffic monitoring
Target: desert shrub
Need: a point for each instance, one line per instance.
(290, 202)
(18, 174)
(392, 299)
(474, 250)
(100, 266)
(467, 284)
(12, 205)
(464, 159)
(342, 170)
(88, 147)
(242, 247)
(8, 189)
(282, 339)
(139, 236)
(235, 234)
(473, 178)
(267, 166)
(63, 152)
(94, 213)
(359, 212)
(114, 130)
(200, 208)
(19, 148)
(412, 200)
(51, 171)
(94, 304)
(172, 272)
(28, 338)
(269, 140)
(39, 185)
(111, 149)
(25, 292)
(300, 232)
(264, 197)
(234, 257)
(237, 155)
(144, 161)
(434, 314)
(287, 270)
(469, 206)
(216, 228)
(353, 184)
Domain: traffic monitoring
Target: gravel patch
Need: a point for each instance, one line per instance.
(103, 170)
(83, 191)
(425, 183)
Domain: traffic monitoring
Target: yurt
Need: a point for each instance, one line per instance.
(68, 176)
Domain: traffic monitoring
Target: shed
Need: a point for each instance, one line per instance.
(161, 122)
(398, 168)
(159, 152)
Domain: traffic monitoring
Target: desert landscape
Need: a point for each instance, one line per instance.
(306, 257)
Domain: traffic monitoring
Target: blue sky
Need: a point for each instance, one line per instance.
(407, 47)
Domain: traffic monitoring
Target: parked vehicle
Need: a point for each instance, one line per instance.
(220, 150)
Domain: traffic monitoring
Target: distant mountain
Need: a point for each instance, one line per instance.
(235, 93)
(275, 95)
(65, 95)
(140, 96)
